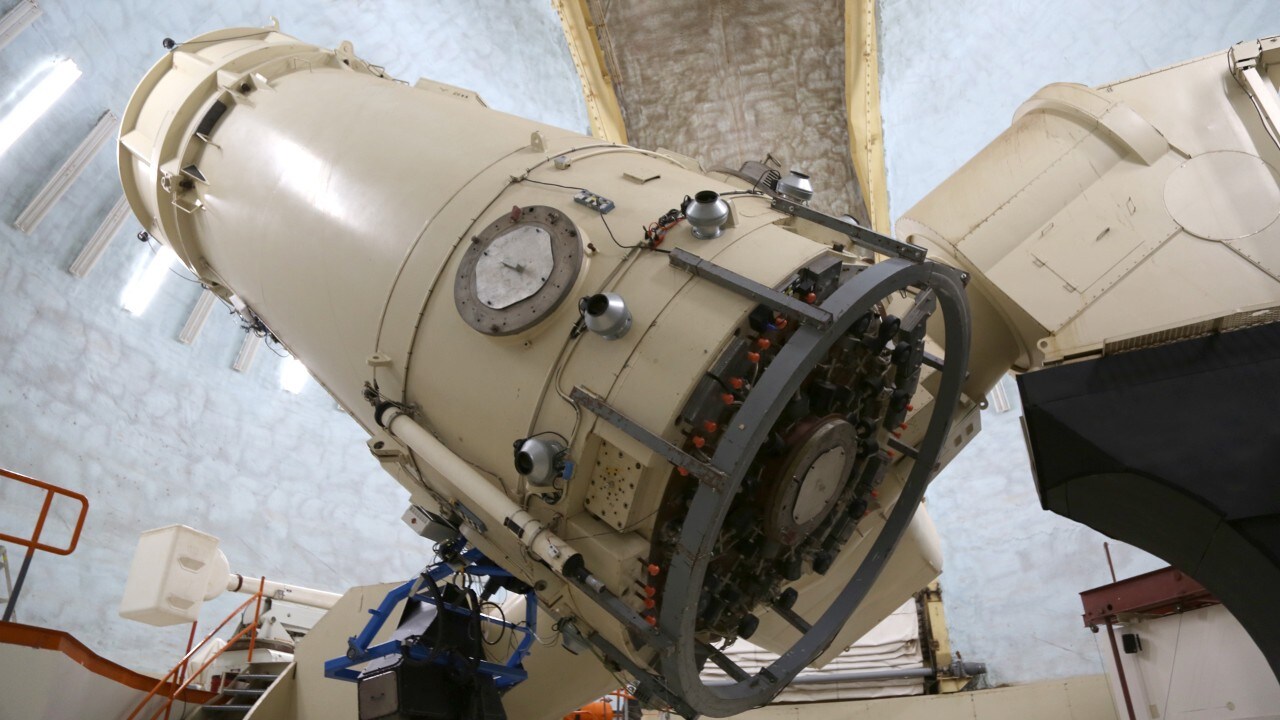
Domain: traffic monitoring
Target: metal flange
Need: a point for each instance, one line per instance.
(680, 667)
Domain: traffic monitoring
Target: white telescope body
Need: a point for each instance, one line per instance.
(425, 256)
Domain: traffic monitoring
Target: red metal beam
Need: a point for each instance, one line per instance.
(1154, 594)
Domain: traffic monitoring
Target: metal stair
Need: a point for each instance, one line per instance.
(241, 693)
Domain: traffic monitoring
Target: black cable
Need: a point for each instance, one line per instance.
(551, 432)
(602, 218)
(503, 615)
(566, 187)
(175, 272)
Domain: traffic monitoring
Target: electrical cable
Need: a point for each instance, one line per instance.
(175, 272)
(502, 628)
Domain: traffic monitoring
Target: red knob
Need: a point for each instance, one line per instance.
(728, 398)
(753, 357)
(763, 343)
(710, 426)
(699, 441)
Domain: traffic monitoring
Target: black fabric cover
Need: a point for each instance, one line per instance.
(1174, 449)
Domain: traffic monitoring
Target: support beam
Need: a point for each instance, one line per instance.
(248, 350)
(61, 181)
(18, 19)
(196, 320)
(603, 110)
(97, 245)
(862, 107)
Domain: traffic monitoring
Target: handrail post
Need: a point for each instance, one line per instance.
(33, 544)
(253, 633)
(12, 604)
(186, 658)
(183, 686)
(182, 666)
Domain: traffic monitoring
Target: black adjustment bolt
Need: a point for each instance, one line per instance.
(794, 569)
(901, 353)
(168, 44)
(787, 599)
(822, 562)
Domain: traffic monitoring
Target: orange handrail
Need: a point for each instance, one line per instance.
(33, 543)
(182, 664)
(50, 490)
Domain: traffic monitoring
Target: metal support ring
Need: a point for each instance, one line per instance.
(680, 667)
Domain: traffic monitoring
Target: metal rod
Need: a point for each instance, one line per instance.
(257, 612)
(708, 474)
(792, 618)
(8, 581)
(723, 662)
(285, 592)
(1106, 546)
(1124, 684)
(763, 294)
(859, 235)
(870, 675)
(12, 605)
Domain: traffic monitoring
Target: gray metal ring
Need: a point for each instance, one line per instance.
(686, 570)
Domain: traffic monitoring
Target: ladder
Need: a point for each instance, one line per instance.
(239, 694)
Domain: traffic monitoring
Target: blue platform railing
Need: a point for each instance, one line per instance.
(471, 562)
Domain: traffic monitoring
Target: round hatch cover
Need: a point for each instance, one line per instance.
(518, 270)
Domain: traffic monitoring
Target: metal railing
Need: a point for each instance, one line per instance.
(32, 544)
(179, 673)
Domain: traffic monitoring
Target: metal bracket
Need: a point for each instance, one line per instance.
(779, 301)
(859, 235)
(708, 474)
(624, 614)
(646, 678)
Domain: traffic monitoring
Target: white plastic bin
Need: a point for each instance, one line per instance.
(170, 576)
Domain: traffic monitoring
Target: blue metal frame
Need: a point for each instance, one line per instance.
(505, 675)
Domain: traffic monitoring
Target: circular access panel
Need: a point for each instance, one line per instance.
(1223, 195)
(810, 480)
(518, 270)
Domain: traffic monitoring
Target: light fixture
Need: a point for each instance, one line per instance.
(18, 19)
(29, 109)
(144, 285)
(293, 375)
(97, 245)
(196, 320)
